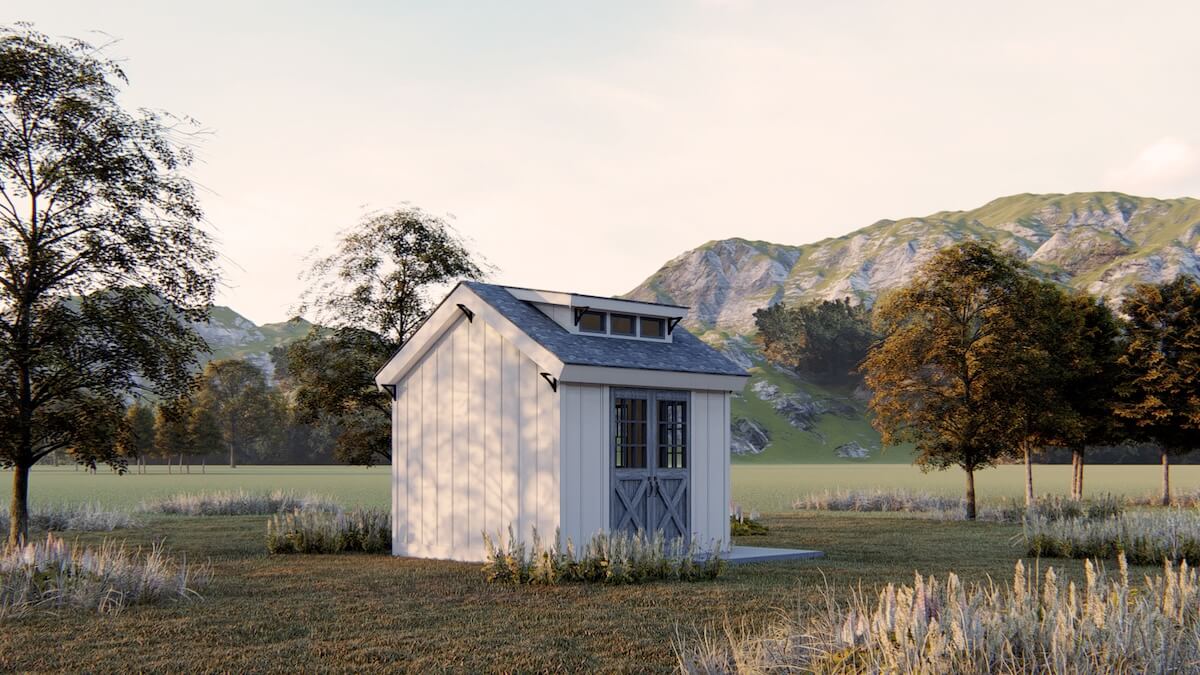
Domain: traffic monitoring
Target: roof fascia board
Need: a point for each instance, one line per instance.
(548, 297)
(445, 317)
(628, 307)
(636, 377)
(601, 304)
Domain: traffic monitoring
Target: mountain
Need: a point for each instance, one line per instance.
(232, 336)
(1101, 242)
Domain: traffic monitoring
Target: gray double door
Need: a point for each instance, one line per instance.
(649, 460)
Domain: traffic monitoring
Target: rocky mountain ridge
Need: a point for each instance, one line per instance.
(1101, 242)
(230, 335)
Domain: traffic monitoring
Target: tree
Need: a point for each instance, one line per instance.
(942, 370)
(332, 381)
(1160, 399)
(826, 339)
(203, 432)
(233, 394)
(373, 293)
(137, 441)
(1096, 343)
(1042, 359)
(102, 262)
(172, 430)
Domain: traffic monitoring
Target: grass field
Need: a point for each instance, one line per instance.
(763, 487)
(357, 613)
(374, 613)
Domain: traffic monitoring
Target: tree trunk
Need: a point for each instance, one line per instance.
(1166, 486)
(232, 460)
(1078, 454)
(203, 463)
(169, 464)
(1028, 475)
(18, 522)
(970, 494)
(18, 528)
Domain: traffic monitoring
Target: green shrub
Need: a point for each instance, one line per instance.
(365, 530)
(611, 559)
(745, 527)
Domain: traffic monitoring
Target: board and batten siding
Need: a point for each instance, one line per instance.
(587, 457)
(709, 462)
(475, 443)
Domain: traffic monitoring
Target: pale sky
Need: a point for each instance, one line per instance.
(581, 145)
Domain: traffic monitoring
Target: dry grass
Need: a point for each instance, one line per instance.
(620, 558)
(372, 613)
(1143, 537)
(238, 503)
(362, 530)
(1048, 507)
(1035, 624)
(87, 517)
(52, 575)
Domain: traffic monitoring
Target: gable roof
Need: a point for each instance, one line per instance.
(684, 354)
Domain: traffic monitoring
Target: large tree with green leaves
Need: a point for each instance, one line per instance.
(233, 396)
(942, 372)
(102, 261)
(1160, 398)
(1040, 363)
(826, 339)
(372, 293)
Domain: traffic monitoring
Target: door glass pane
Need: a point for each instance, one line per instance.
(672, 434)
(630, 428)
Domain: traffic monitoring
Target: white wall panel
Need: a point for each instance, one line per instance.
(477, 447)
(584, 463)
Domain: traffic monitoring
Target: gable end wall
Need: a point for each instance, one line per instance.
(475, 443)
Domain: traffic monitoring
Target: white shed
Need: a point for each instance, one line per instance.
(556, 411)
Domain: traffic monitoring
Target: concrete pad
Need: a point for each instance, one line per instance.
(753, 554)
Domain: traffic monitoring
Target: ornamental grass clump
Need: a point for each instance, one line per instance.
(1036, 624)
(238, 503)
(614, 559)
(1187, 498)
(86, 517)
(51, 575)
(357, 530)
(875, 500)
(1143, 537)
(1050, 507)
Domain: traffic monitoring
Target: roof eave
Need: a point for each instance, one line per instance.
(445, 317)
(643, 377)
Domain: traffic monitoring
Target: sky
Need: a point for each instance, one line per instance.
(580, 145)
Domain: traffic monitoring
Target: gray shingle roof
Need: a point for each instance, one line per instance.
(686, 353)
